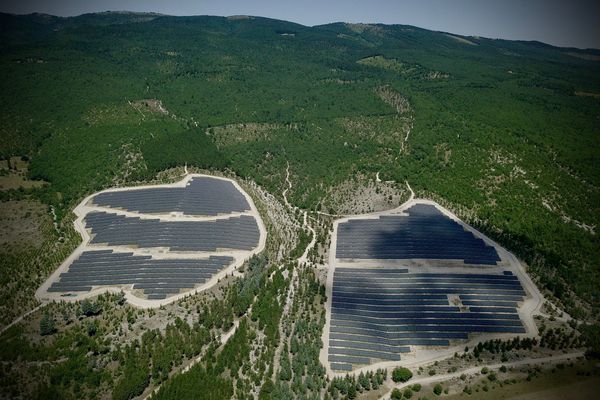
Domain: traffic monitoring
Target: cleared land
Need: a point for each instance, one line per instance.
(159, 243)
(412, 284)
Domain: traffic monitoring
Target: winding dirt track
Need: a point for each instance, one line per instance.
(19, 319)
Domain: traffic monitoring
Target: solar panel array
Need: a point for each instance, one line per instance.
(425, 233)
(158, 278)
(201, 196)
(240, 233)
(378, 313)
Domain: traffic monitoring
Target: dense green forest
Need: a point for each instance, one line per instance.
(505, 133)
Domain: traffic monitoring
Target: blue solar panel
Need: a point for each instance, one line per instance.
(383, 312)
(201, 196)
(157, 277)
(419, 235)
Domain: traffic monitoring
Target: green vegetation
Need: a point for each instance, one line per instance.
(332, 100)
(496, 131)
(401, 374)
(47, 326)
(348, 385)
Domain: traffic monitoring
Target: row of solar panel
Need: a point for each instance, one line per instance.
(343, 313)
(236, 233)
(425, 233)
(157, 277)
(381, 311)
(355, 326)
(424, 309)
(376, 273)
(201, 196)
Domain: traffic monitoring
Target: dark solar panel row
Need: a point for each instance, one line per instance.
(376, 274)
(393, 308)
(425, 233)
(364, 353)
(436, 316)
(466, 326)
(348, 359)
(158, 278)
(386, 312)
(201, 196)
(379, 334)
(400, 342)
(341, 367)
(240, 233)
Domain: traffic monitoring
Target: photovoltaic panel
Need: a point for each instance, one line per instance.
(201, 196)
(239, 233)
(156, 277)
(378, 315)
(425, 233)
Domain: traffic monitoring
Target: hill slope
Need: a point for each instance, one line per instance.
(504, 133)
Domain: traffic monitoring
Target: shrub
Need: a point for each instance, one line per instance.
(408, 393)
(89, 308)
(92, 329)
(396, 394)
(401, 374)
(437, 389)
(416, 387)
(503, 368)
(485, 370)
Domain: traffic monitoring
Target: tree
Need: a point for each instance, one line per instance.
(401, 374)
(266, 391)
(89, 308)
(47, 326)
(363, 381)
(396, 394)
(120, 298)
(92, 329)
(352, 391)
(437, 389)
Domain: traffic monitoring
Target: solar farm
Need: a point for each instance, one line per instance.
(159, 243)
(414, 282)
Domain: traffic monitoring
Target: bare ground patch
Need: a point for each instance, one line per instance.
(363, 195)
(461, 40)
(150, 105)
(587, 94)
(20, 222)
(13, 175)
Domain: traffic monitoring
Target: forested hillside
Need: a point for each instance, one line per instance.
(506, 134)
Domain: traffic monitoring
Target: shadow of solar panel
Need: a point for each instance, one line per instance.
(201, 196)
(157, 277)
(425, 233)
